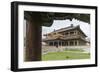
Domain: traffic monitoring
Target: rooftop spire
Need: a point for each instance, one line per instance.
(71, 25)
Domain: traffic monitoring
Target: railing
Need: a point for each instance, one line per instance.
(47, 49)
(71, 36)
(74, 36)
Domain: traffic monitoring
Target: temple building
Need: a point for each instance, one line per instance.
(68, 36)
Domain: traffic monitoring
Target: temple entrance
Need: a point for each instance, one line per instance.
(65, 43)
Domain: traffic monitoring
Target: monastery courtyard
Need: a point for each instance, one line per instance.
(65, 52)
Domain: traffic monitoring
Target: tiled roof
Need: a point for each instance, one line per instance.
(68, 28)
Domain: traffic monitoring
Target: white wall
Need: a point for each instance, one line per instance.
(5, 17)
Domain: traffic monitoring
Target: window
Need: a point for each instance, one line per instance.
(71, 33)
(66, 33)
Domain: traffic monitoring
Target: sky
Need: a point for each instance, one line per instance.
(57, 24)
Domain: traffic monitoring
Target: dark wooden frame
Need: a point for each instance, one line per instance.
(14, 35)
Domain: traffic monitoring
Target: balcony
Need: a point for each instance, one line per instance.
(73, 37)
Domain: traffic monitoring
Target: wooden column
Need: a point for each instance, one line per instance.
(33, 39)
(68, 43)
(58, 43)
(77, 42)
(49, 43)
(53, 43)
(73, 42)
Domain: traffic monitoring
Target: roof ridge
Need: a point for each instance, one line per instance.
(67, 27)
